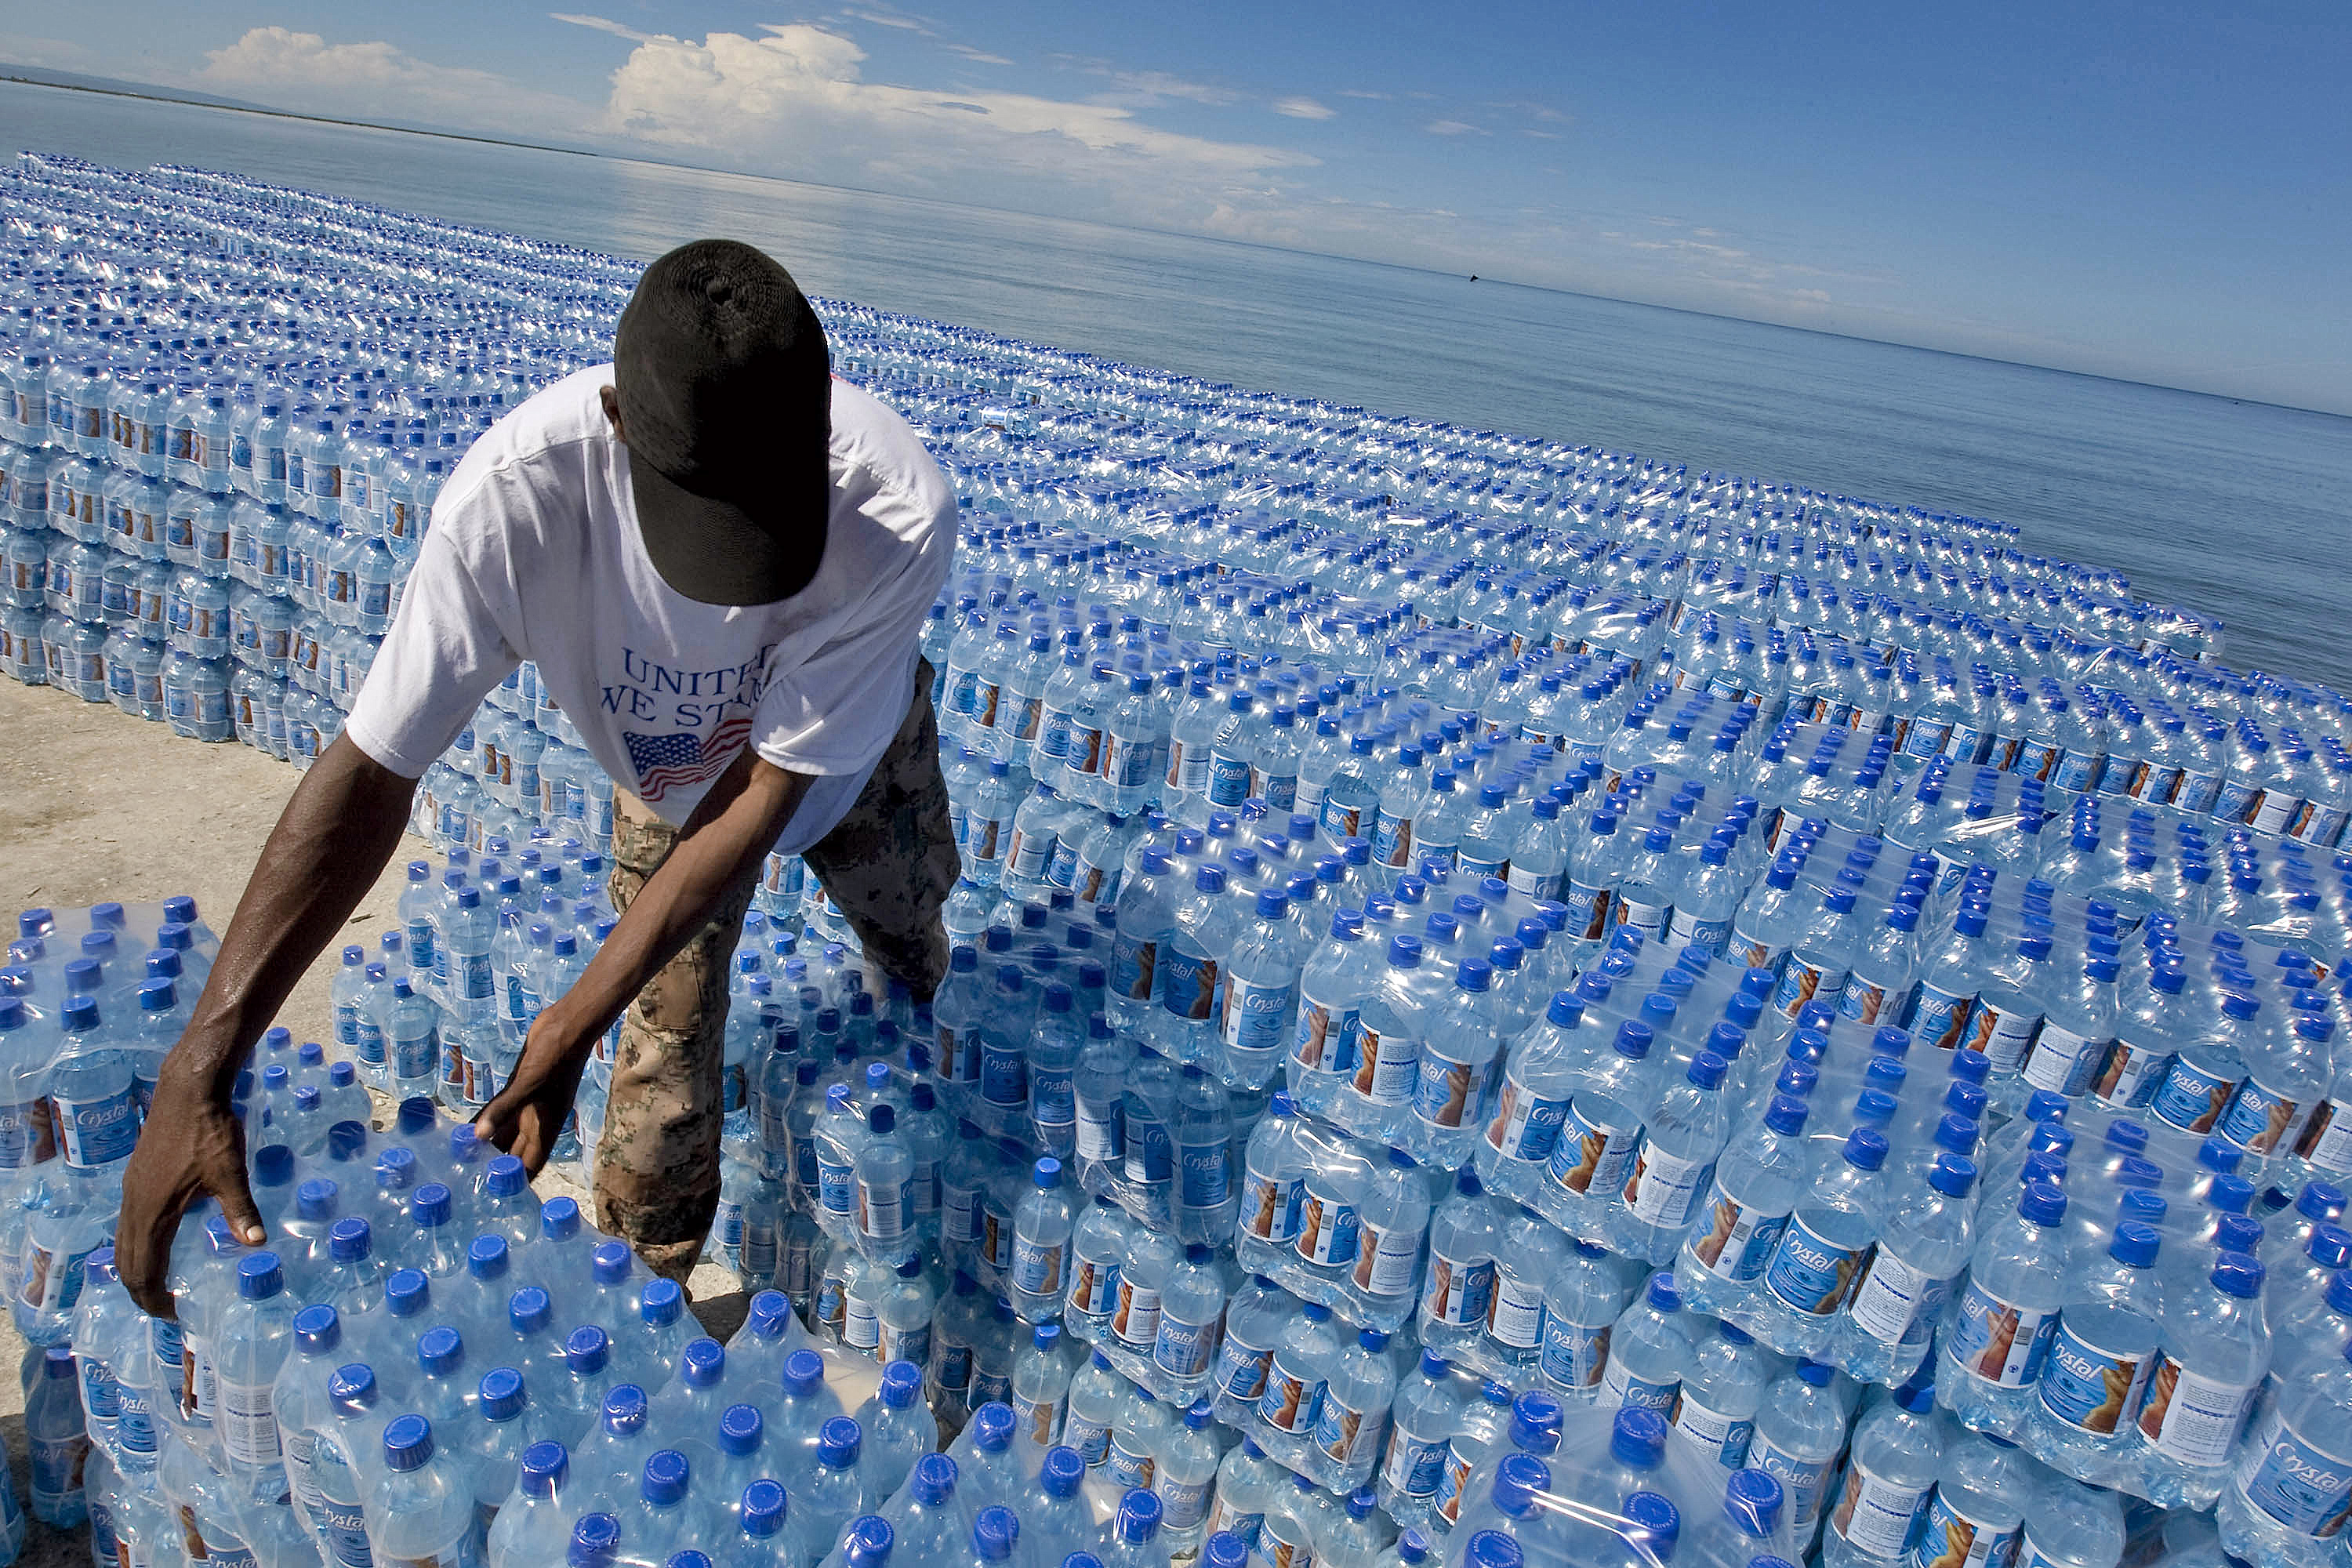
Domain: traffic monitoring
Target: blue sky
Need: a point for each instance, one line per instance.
(2146, 190)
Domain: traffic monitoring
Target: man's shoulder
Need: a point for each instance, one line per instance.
(879, 451)
(542, 448)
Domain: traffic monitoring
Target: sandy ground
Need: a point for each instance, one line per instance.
(100, 806)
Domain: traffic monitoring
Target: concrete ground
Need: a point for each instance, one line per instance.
(95, 805)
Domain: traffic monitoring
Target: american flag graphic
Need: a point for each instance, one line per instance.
(665, 762)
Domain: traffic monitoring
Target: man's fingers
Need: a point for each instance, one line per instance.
(500, 1120)
(142, 1265)
(238, 1208)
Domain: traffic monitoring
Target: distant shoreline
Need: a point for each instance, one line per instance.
(290, 114)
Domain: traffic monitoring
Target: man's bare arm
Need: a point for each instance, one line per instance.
(330, 845)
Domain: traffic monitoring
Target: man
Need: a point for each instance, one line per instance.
(720, 559)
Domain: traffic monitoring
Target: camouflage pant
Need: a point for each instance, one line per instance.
(889, 865)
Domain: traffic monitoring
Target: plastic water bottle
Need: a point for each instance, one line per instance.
(1891, 1470)
(1042, 1227)
(1800, 1431)
(1924, 1237)
(899, 1427)
(1649, 1349)
(1977, 1511)
(1722, 1391)
(58, 1438)
(534, 1526)
(1822, 1249)
(421, 1510)
(252, 1339)
(2002, 1323)
(2216, 1347)
(2292, 1475)
(2097, 1370)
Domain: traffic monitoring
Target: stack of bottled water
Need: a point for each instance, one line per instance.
(1506, 999)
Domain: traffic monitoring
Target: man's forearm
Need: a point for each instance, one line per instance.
(333, 838)
(721, 846)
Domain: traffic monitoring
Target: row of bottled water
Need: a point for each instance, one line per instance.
(1830, 942)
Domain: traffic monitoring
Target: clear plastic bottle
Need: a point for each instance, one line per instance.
(421, 1511)
(1723, 1388)
(1891, 1470)
(1800, 1431)
(2216, 1348)
(1925, 1238)
(1042, 1227)
(1649, 1350)
(2096, 1372)
(2002, 1323)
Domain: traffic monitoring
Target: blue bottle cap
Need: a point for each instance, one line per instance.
(611, 1262)
(1637, 1436)
(317, 1329)
(258, 1277)
(992, 1427)
(666, 1476)
(1138, 1516)
(585, 1349)
(804, 1372)
(407, 1442)
(316, 1200)
(868, 1541)
(1751, 1501)
(934, 1477)
(428, 1206)
(1536, 1418)
(765, 1507)
(407, 1292)
(838, 1441)
(624, 1408)
(2238, 1274)
(505, 1177)
(273, 1165)
(1517, 1481)
(500, 1393)
(529, 1310)
(594, 1538)
(559, 1219)
(440, 1351)
(487, 1257)
(545, 1467)
(740, 1429)
(1492, 1549)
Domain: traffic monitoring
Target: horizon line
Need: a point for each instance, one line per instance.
(162, 94)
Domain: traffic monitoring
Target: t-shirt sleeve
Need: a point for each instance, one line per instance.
(836, 712)
(444, 653)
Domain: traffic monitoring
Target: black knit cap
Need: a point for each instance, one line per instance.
(725, 394)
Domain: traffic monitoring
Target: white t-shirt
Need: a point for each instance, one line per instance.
(534, 553)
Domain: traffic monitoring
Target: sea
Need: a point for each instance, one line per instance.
(2240, 510)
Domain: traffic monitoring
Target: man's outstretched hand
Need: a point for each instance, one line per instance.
(527, 1116)
(190, 1147)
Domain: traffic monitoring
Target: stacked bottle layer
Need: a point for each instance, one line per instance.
(1448, 920)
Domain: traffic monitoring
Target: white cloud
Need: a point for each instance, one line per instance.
(1455, 127)
(58, 54)
(978, 57)
(791, 101)
(377, 81)
(891, 19)
(1302, 108)
(601, 25)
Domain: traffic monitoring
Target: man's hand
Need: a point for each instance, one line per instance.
(335, 835)
(527, 1116)
(720, 847)
(191, 1147)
